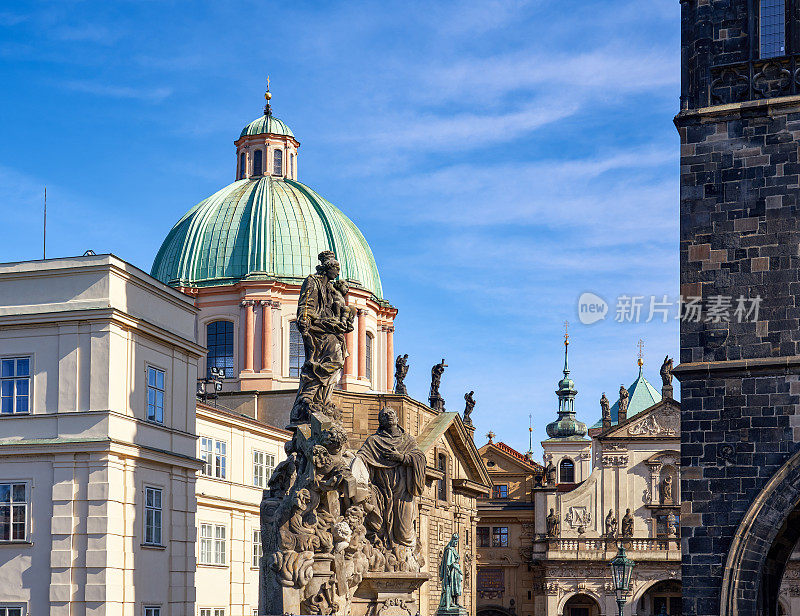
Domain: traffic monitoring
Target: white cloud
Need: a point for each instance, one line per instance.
(154, 95)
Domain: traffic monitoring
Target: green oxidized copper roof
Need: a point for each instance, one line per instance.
(567, 426)
(268, 228)
(266, 124)
(641, 395)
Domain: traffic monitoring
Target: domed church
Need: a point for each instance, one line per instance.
(243, 253)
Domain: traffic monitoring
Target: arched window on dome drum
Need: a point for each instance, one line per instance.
(290, 170)
(219, 340)
(297, 352)
(277, 162)
(567, 471)
(368, 367)
(242, 162)
(258, 163)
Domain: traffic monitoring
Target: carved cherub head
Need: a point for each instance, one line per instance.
(334, 439)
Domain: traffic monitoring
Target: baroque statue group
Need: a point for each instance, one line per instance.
(333, 516)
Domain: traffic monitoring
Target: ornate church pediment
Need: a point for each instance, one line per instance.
(660, 421)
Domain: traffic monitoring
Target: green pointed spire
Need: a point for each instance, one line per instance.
(566, 425)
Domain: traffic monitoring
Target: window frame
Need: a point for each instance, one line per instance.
(151, 610)
(484, 534)
(496, 489)
(242, 165)
(154, 387)
(786, 25)
(14, 506)
(256, 553)
(229, 370)
(211, 457)
(5, 609)
(499, 536)
(267, 465)
(369, 354)
(277, 157)
(213, 548)
(15, 380)
(295, 343)
(258, 157)
(441, 484)
(158, 515)
(561, 470)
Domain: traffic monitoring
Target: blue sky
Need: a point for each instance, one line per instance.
(500, 157)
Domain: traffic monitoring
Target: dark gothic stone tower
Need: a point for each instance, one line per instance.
(739, 128)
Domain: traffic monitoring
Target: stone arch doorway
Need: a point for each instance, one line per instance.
(762, 546)
(581, 605)
(666, 593)
(494, 610)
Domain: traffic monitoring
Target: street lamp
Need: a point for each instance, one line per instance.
(621, 569)
(217, 375)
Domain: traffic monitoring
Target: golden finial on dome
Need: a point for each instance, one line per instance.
(267, 97)
(640, 344)
(566, 333)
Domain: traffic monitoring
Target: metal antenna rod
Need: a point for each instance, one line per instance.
(44, 230)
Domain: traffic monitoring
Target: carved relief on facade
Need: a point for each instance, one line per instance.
(578, 517)
(664, 424)
(615, 455)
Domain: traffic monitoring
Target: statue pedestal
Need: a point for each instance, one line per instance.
(456, 610)
(388, 594)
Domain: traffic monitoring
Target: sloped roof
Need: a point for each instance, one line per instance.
(641, 395)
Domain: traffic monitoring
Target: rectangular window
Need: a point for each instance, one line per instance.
(442, 483)
(263, 465)
(155, 395)
(15, 385)
(500, 537)
(368, 361)
(152, 516)
(256, 549)
(297, 352)
(214, 456)
(483, 536)
(772, 28)
(13, 512)
(11, 610)
(151, 610)
(212, 611)
(500, 491)
(212, 544)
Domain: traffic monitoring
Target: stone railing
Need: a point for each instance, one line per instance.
(599, 545)
(754, 80)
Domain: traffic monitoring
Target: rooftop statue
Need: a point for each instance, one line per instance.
(435, 398)
(605, 407)
(400, 372)
(627, 524)
(452, 577)
(666, 372)
(469, 398)
(623, 400)
(611, 524)
(323, 319)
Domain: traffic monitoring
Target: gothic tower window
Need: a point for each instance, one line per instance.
(772, 28)
(242, 170)
(258, 163)
(566, 471)
(277, 162)
(219, 340)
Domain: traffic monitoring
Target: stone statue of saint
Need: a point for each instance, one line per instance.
(322, 322)
(400, 372)
(469, 398)
(623, 400)
(552, 523)
(605, 407)
(452, 578)
(627, 524)
(550, 474)
(666, 490)
(435, 398)
(397, 477)
(666, 372)
(611, 524)
(673, 525)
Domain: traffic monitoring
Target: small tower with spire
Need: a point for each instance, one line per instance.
(568, 446)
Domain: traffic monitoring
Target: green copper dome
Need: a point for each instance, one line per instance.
(266, 124)
(641, 395)
(567, 425)
(262, 228)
